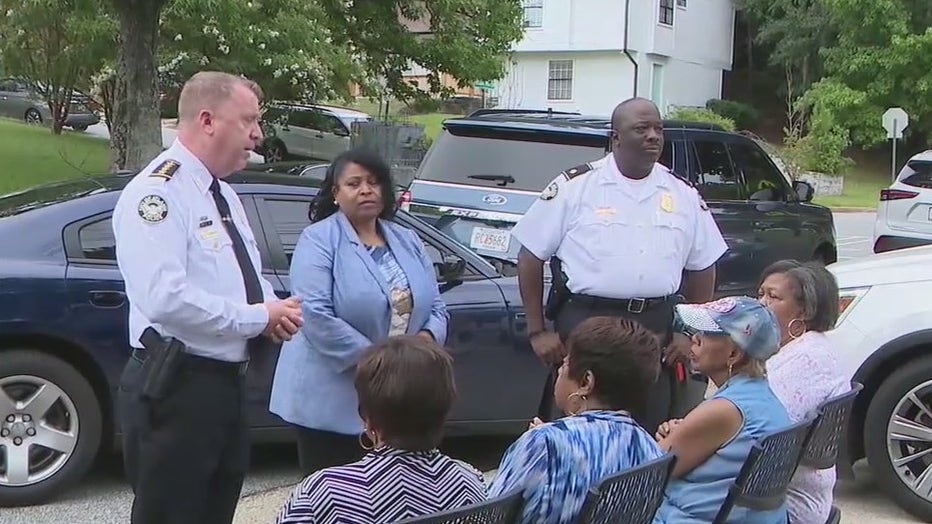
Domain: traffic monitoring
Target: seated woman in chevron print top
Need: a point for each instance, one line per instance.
(609, 367)
(405, 389)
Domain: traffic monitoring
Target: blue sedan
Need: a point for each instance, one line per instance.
(64, 341)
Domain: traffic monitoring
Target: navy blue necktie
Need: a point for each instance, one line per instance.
(250, 277)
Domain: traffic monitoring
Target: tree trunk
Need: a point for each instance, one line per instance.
(136, 134)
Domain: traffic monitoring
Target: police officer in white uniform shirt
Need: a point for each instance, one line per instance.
(198, 306)
(630, 240)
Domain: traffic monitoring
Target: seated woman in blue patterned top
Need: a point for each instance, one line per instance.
(405, 388)
(610, 365)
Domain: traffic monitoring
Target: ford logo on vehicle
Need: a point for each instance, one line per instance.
(494, 199)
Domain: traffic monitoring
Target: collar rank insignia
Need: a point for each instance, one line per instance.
(166, 169)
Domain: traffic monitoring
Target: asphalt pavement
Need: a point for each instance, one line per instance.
(104, 498)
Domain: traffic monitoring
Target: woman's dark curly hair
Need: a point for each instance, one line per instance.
(323, 205)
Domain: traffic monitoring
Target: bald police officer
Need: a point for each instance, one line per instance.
(198, 304)
(630, 239)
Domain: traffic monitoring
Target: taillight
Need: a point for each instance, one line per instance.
(896, 194)
(404, 201)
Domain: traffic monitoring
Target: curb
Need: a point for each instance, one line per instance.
(853, 209)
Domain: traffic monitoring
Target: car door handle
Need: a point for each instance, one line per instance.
(319, 135)
(108, 299)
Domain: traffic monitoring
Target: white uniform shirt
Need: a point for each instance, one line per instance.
(178, 263)
(622, 238)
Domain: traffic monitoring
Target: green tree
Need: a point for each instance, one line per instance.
(880, 59)
(54, 45)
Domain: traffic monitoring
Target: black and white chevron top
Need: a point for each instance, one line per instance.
(386, 486)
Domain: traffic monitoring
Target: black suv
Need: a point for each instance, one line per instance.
(485, 170)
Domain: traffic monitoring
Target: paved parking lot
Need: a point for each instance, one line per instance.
(104, 498)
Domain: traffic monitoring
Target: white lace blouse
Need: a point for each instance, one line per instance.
(804, 374)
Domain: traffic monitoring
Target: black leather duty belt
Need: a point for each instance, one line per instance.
(203, 363)
(631, 305)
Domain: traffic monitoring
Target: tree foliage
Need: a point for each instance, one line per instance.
(55, 45)
(881, 58)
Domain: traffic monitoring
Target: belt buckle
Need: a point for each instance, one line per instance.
(637, 305)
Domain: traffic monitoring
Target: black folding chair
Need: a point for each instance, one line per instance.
(765, 476)
(501, 510)
(629, 497)
(828, 430)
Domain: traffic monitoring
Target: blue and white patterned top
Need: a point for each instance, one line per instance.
(398, 283)
(557, 463)
(386, 486)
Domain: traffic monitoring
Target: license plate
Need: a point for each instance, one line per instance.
(490, 239)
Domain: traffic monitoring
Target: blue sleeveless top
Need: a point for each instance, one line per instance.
(697, 497)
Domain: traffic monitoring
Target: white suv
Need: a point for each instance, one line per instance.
(904, 215)
(307, 131)
(884, 335)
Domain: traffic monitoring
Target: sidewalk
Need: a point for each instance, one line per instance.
(263, 508)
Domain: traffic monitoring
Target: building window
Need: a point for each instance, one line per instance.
(681, 4)
(533, 13)
(656, 85)
(666, 12)
(560, 80)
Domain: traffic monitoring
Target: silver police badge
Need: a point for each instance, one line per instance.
(153, 209)
(550, 191)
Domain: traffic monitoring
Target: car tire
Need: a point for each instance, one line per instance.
(274, 151)
(24, 374)
(32, 116)
(79, 128)
(887, 401)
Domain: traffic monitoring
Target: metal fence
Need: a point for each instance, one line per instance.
(402, 145)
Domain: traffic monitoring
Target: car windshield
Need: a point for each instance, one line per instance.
(497, 162)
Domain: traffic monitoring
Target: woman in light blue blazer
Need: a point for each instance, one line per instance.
(361, 278)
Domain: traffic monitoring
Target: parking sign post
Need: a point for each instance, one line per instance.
(894, 120)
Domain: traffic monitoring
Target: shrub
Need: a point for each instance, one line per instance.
(745, 116)
(701, 114)
(421, 106)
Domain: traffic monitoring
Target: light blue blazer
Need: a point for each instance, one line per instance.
(345, 302)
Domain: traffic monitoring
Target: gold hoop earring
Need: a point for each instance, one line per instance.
(789, 328)
(362, 443)
(581, 398)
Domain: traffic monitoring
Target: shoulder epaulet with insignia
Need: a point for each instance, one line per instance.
(574, 172)
(550, 192)
(166, 169)
(677, 177)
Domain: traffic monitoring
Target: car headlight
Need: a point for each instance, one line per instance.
(847, 299)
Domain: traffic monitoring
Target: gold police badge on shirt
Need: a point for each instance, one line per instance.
(153, 209)
(550, 191)
(666, 202)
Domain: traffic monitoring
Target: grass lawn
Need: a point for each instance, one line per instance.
(432, 122)
(31, 155)
(863, 183)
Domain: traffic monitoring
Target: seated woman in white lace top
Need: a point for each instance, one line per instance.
(805, 372)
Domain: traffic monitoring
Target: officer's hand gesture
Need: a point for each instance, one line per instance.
(547, 346)
(284, 318)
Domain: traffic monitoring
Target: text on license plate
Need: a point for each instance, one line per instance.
(490, 239)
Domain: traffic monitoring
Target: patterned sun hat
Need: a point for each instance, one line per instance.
(748, 322)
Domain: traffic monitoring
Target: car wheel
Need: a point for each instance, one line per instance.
(898, 437)
(274, 152)
(79, 128)
(32, 116)
(50, 426)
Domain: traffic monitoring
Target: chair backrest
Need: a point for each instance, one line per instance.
(830, 427)
(501, 510)
(629, 497)
(765, 476)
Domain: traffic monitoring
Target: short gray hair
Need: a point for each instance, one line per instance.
(815, 290)
(206, 89)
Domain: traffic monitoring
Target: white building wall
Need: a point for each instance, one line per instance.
(600, 81)
(692, 54)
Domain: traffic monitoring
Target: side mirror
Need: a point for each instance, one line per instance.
(452, 268)
(804, 190)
